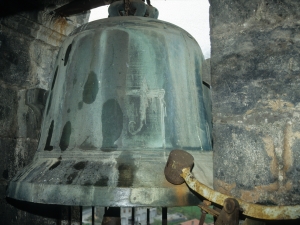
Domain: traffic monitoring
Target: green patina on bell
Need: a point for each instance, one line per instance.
(126, 91)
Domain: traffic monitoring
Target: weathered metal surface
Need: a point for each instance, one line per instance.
(248, 209)
(205, 207)
(204, 210)
(125, 92)
(177, 160)
(230, 213)
(253, 222)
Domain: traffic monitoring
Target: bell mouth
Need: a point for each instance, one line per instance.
(101, 178)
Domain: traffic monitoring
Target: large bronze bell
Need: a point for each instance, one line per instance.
(125, 92)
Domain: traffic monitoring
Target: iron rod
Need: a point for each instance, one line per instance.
(93, 215)
(164, 215)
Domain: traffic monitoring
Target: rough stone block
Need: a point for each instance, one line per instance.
(8, 112)
(256, 96)
(26, 62)
(16, 118)
(15, 154)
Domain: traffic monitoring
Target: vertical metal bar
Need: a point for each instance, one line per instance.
(132, 216)
(202, 218)
(80, 211)
(93, 215)
(164, 215)
(148, 216)
(69, 215)
(58, 222)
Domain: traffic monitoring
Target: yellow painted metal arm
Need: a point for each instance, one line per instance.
(248, 209)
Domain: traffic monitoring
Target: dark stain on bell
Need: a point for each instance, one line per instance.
(54, 78)
(48, 146)
(67, 54)
(56, 164)
(91, 88)
(126, 175)
(80, 104)
(112, 123)
(49, 103)
(71, 177)
(80, 165)
(102, 182)
(69, 110)
(65, 136)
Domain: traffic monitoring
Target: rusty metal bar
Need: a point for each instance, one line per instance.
(204, 209)
(248, 209)
(202, 218)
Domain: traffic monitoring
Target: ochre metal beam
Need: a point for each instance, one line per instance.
(248, 209)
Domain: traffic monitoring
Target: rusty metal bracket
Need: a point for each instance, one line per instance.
(205, 208)
(229, 215)
(248, 209)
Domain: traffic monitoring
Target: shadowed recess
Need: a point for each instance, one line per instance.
(65, 136)
(67, 54)
(112, 122)
(54, 78)
(48, 147)
(41, 210)
(91, 89)
(5, 174)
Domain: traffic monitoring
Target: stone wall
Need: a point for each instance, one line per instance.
(29, 43)
(255, 66)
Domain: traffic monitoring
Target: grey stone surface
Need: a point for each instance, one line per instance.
(8, 112)
(28, 48)
(15, 154)
(29, 43)
(255, 78)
